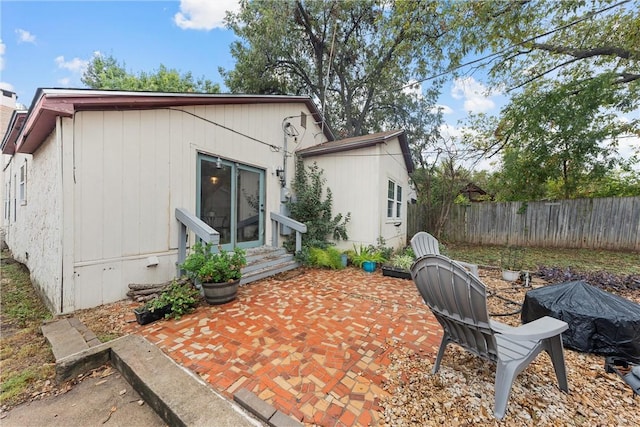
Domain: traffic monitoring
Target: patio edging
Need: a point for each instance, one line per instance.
(263, 410)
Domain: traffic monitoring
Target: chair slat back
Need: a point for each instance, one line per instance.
(424, 243)
(458, 300)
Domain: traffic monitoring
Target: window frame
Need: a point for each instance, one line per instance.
(22, 184)
(7, 200)
(394, 201)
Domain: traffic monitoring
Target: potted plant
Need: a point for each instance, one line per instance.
(179, 298)
(399, 266)
(367, 257)
(511, 263)
(217, 273)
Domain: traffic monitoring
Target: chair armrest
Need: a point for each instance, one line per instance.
(545, 327)
(500, 327)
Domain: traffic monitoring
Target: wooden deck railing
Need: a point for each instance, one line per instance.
(202, 230)
(279, 219)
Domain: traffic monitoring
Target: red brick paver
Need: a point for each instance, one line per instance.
(315, 345)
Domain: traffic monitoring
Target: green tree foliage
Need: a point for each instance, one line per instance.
(572, 69)
(104, 72)
(353, 57)
(438, 186)
(312, 206)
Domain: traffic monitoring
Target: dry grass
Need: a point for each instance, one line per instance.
(585, 260)
(26, 361)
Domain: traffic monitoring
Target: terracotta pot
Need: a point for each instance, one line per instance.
(220, 293)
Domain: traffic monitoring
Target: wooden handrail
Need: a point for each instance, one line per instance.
(202, 230)
(279, 219)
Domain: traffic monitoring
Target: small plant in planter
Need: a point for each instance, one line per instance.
(367, 257)
(399, 265)
(218, 273)
(511, 262)
(179, 298)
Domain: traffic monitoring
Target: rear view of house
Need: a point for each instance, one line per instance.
(93, 180)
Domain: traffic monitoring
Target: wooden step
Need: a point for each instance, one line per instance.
(266, 261)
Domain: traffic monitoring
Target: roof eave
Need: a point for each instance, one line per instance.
(48, 104)
(16, 123)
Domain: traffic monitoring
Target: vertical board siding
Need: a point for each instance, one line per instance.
(606, 223)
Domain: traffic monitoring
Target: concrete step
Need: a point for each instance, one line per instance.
(178, 396)
(68, 336)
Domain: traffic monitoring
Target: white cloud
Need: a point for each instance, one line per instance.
(441, 107)
(413, 88)
(64, 81)
(75, 65)
(3, 49)
(477, 98)
(449, 131)
(25, 36)
(204, 14)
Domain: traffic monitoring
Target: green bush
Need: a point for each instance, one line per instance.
(209, 267)
(180, 296)
(312, 206)
(325, 258)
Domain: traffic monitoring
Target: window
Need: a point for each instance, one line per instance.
(7, 200)
(394, 200)
(23, 184)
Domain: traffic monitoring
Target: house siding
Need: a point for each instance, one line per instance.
(133, 168)
(358, 182)
(34, 231)
(393, 168)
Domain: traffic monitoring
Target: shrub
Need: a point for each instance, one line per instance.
(180, 296)
(312, 206)
(325, 258)
(209, 267)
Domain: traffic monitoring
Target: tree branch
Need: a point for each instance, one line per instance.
(588, 53)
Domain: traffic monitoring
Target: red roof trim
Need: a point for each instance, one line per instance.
(48, 104)
(16, 124)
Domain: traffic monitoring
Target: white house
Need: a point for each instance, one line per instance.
(93, 180)
(368, 177)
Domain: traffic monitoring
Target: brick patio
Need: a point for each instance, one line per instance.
(315, 344)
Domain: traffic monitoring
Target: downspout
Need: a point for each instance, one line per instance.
(59, 140)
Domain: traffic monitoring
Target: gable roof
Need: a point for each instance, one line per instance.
(48, 104)
(363, 141)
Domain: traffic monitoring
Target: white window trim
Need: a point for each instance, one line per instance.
(23, 184)
(7, 200)
(397, 203)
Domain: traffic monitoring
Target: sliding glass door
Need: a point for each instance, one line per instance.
(231, 200)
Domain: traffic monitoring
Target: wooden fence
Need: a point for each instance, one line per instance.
(607, 223)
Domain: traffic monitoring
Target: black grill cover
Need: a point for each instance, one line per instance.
(599, 322)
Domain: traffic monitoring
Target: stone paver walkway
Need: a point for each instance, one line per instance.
(315, 344)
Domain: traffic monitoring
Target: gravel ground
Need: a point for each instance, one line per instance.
(462, 393)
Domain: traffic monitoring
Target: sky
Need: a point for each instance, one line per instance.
(49, 44)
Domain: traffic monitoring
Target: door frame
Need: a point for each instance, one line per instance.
(235, 167)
